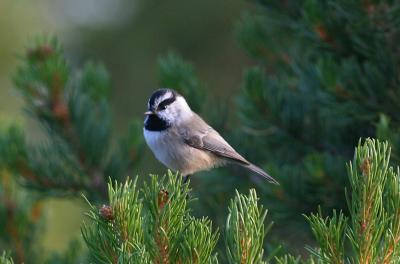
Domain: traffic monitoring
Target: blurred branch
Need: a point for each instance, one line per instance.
(175, 73)
(79, 153)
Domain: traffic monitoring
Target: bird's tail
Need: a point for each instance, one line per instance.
(261, 172)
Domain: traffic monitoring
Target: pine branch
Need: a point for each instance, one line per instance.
(327, 73)
(368, 174)
(20, 215)
(289, 259)
(245, 229)
(154, 227)
(116, 227)
(73, 109)
(5, 258)
(392, 234)
(330, 236)
(374, 201)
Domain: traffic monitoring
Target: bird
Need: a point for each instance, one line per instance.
(181, 140)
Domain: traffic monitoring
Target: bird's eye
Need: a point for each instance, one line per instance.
(164, 104)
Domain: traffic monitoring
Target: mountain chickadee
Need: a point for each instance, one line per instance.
(183, 141)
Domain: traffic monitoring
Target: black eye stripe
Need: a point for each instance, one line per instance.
(166, 102)
(154, 100)
(157, 94)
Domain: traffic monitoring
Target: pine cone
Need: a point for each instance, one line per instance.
(106, 212)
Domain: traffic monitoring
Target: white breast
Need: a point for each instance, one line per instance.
(158, 143)
(170, 149)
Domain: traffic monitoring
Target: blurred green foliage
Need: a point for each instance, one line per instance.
(176, 73)
(327, 74)
(77, 155)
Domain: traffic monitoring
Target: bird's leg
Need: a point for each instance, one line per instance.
(186, 178)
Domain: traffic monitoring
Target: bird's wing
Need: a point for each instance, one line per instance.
(198, 134)
(201, 136)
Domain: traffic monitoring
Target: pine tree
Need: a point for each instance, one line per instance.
(78, 153)
(73, 110)
(327, 74)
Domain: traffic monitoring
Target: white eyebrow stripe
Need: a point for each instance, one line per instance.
(167, 95)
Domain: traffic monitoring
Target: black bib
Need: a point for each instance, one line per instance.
(154, 123)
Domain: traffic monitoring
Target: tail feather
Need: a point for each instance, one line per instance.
(261, 172)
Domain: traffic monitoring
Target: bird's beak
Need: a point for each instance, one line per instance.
(149, 113)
